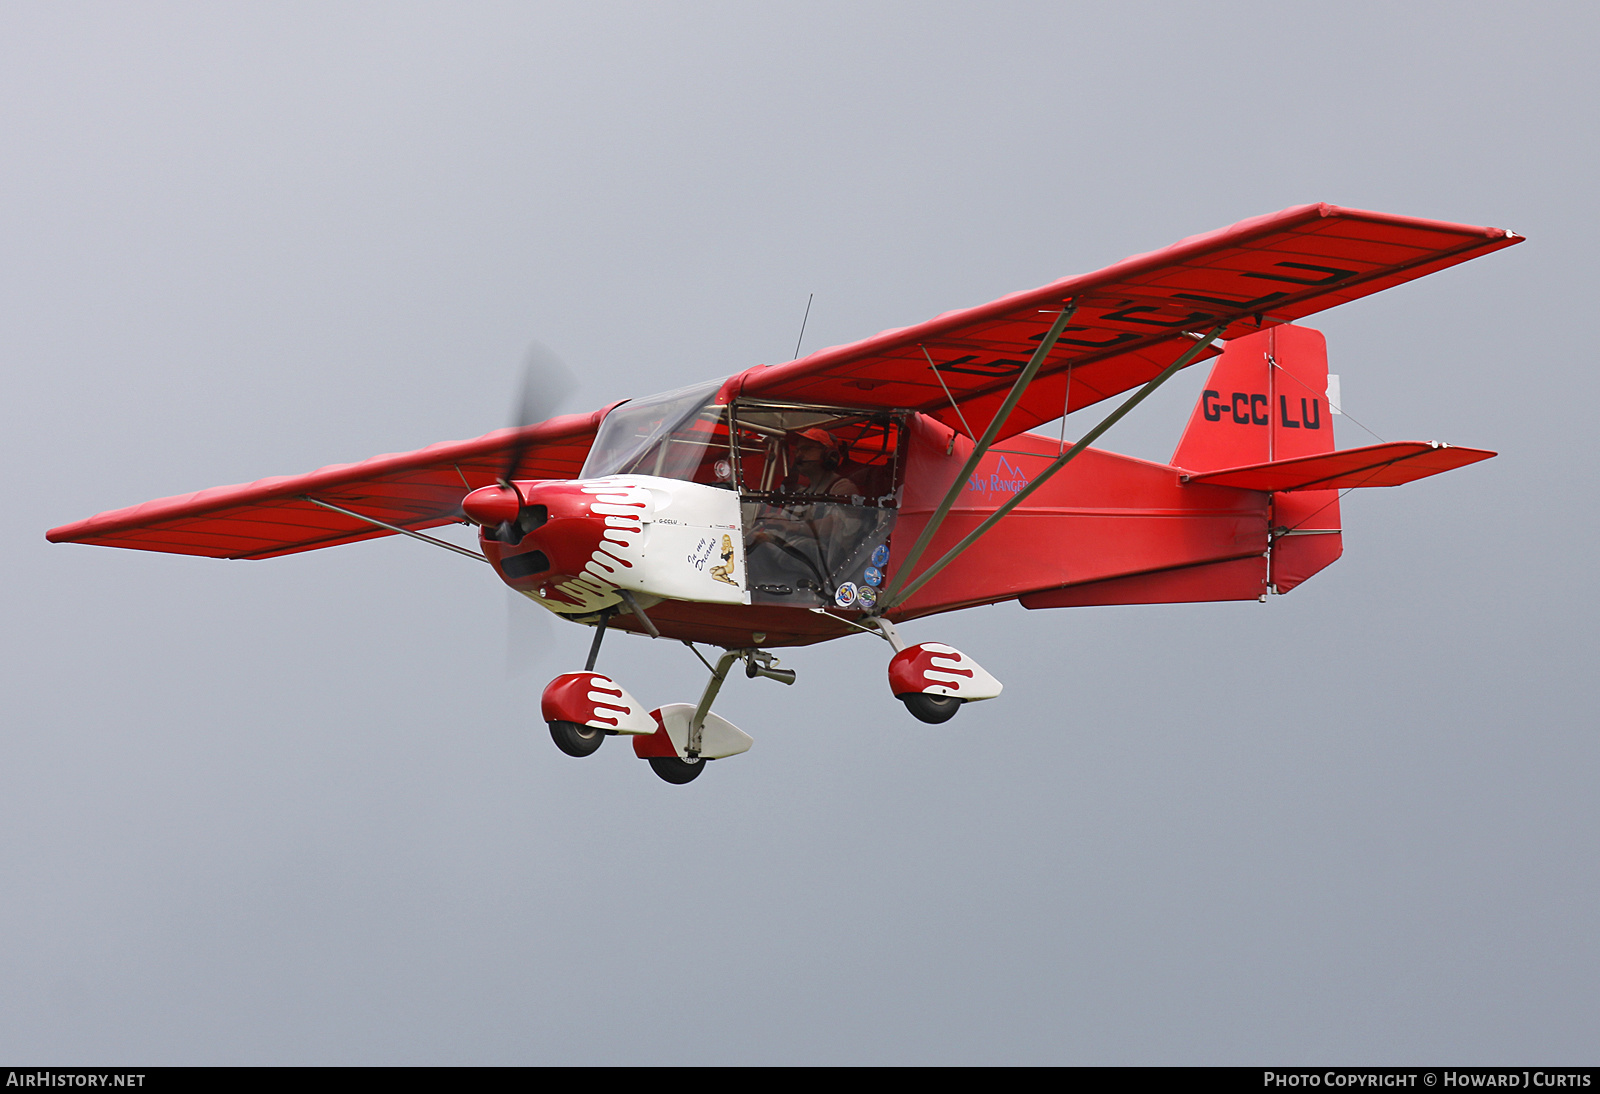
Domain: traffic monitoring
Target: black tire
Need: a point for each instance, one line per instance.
(676, 771)
(932, 709)
(576, 740)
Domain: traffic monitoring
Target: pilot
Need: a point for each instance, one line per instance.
(814, 465)
(796, 543)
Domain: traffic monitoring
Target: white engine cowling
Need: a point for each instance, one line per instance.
(655, 537)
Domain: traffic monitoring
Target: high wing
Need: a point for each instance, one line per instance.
(1131, 318)
(412, 490)
(1129, 322)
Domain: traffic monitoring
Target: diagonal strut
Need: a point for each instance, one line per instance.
(395, 528)
(888, 601)
(980, 448)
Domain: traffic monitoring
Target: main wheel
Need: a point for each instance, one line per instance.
(576, 740)
(932, 709)
(676, 771)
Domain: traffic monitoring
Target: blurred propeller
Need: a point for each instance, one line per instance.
(546, 384)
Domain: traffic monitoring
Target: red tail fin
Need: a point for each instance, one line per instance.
(1266, 399)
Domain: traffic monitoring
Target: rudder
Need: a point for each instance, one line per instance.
(1265, 400)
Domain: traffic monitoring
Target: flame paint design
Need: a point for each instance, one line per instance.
(950, 669)
(937, 669)
(594, 699)
(623, 505)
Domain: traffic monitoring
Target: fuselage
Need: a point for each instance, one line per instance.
(1091, 534)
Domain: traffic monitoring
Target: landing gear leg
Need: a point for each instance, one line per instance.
(599, 636)
(697, 725)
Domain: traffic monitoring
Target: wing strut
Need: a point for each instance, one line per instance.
(395, 528)
(892, 597)
(979, 450)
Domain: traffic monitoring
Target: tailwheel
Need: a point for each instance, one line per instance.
(932, 709)
(676, 771)
(577, 740)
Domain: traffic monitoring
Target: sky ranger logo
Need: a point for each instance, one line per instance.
(1006, 478)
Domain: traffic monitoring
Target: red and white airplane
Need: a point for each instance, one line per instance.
(867, 484)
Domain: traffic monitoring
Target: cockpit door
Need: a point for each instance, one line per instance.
(819, 488)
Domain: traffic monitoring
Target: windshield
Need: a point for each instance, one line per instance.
(677, 435)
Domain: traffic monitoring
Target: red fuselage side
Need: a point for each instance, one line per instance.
(1104, 519)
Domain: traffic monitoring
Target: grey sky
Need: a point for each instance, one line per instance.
(297, 811)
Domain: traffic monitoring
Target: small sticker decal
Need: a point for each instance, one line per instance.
(880, 555)
(867, 595)
(873, 576)
(846, 595)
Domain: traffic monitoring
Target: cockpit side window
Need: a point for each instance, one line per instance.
(819, 488)
(791, 452)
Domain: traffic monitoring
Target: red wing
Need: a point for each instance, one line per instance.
(1392, 464)
(1131, 317)
(414, 490)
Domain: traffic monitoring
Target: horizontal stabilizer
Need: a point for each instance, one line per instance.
(1374, 465)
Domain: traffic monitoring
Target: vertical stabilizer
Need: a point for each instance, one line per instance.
(1266, 399)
